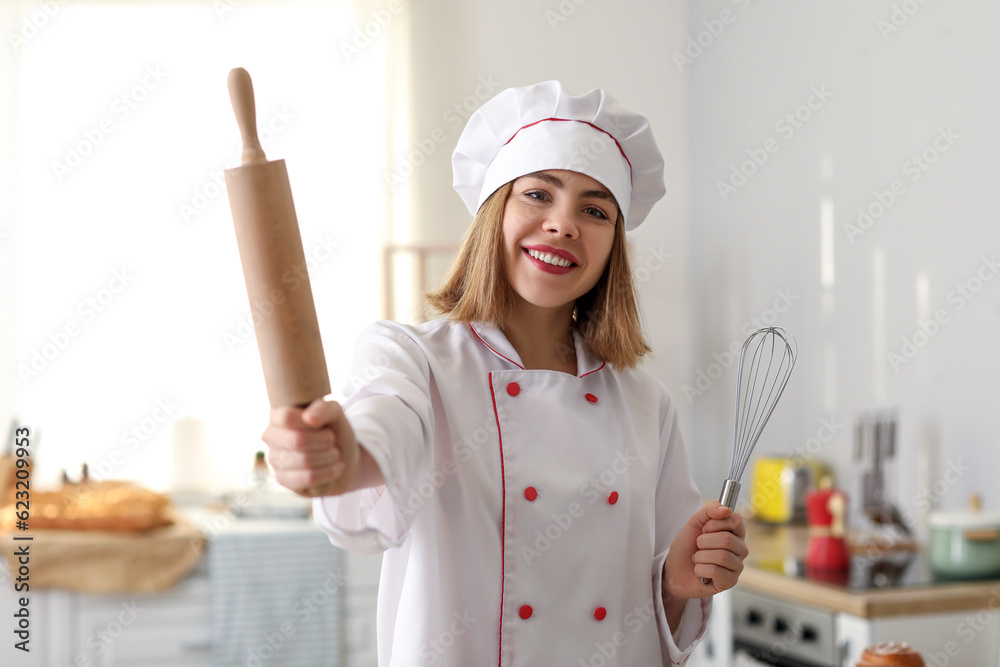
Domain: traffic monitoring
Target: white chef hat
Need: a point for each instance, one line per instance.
(524, 130)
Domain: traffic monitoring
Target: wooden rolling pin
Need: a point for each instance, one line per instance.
(267, 233)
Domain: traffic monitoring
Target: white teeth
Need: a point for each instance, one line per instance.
(549, 258)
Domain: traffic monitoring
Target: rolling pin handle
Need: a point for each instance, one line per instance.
(241, 95)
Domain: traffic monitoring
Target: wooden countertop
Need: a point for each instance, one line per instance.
(772, 547)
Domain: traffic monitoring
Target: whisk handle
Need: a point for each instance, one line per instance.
(730, 492)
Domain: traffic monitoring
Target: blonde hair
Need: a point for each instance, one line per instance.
(476, 289)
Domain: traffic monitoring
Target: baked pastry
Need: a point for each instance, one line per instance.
(894, 654)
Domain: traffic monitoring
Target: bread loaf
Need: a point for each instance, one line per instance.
(105, 505)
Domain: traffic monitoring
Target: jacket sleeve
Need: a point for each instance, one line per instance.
(677, 498)
(388, 404)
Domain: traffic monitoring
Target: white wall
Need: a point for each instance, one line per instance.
(893, 93)
(730, 260)
(623, 48)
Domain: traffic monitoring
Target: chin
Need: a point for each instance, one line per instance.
(545, 300)
(548, 304)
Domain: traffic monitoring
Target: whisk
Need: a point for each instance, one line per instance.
(759, 386)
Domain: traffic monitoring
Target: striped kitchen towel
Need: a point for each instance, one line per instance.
(276, 592)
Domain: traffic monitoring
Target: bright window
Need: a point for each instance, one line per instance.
(131, 310)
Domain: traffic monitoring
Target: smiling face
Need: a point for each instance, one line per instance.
(558, 229)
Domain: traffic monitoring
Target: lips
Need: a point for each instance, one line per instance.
(565, 254)
(545, 266)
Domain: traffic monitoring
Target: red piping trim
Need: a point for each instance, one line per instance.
(620, 150)
(471, 328)
(494, 352)
(503, 519)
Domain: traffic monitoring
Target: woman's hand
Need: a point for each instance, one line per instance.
(313, 451)
(711, 546)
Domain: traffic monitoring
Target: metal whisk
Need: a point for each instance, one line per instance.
(759, 386)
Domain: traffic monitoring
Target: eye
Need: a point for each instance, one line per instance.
(596, 212)
(537, 195)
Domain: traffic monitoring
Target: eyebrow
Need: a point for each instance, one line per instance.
(557, 182)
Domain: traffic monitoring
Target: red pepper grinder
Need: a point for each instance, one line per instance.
(825, 511)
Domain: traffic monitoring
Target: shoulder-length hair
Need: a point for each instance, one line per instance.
(476, 289)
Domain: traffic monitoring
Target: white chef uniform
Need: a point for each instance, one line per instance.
(527, 513)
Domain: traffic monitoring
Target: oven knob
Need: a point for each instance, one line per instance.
(754, 617)
(808, 633)
(780, 625)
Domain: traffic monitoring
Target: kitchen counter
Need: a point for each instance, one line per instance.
(774, 568)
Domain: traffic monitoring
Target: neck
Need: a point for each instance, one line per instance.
(543, 337)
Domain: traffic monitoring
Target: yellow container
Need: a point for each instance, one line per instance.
(779, 487)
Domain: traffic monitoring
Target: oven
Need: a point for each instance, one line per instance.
(769, 631)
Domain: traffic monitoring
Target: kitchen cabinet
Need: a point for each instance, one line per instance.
(970, 637)
(173, 628)
(70, 629)
(715, 649)
(168, 629)
(826, 637)
(359, 609)
(893, 598)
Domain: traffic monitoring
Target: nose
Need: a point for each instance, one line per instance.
(562, 222)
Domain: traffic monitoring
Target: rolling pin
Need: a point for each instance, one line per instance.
(270, 247)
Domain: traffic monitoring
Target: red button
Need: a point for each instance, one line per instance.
(525, 611)
(600, 613)
(513, 389)
(613, 498)
(591, 398)
(530, 493)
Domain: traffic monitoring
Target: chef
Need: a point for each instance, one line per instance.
(522, 473)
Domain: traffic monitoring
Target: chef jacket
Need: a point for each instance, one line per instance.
(526, 514)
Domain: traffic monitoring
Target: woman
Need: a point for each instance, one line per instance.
(526, 481)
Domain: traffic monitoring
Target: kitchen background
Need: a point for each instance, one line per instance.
(830, 167)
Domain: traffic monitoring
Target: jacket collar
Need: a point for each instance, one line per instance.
(495, 340)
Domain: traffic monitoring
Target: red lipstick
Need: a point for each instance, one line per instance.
(550, 268)
(565, 254)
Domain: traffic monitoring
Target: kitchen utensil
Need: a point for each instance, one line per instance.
(875, 450)
(757, 394)
(965, 545)
(270, 247)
